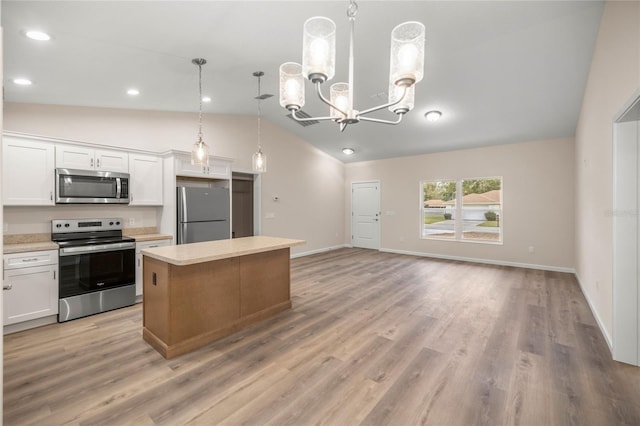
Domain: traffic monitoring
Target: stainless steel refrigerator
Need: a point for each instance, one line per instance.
(203, 214)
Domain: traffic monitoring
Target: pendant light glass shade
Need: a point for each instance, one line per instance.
(291, 86)
(319, 49)
(259, 161)
(200, 150)
(407, 54)
(200, 153)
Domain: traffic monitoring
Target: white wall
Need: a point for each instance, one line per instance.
(537, 200)
(613, 78)
(309, 183)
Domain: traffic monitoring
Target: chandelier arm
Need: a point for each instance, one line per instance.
(302, 119)
(387, 105)
(326, 101)
(377, 120)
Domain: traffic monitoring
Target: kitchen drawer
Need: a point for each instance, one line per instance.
(34, 258)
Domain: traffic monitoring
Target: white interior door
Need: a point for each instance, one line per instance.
(626, 233)
(365, 214)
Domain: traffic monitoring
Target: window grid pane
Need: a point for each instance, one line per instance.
(482, 209)
(438, 209)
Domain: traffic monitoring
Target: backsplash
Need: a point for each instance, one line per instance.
(37, 220)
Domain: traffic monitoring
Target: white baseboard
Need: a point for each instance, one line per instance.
(606, 335)
(485, 261)
(322, 250)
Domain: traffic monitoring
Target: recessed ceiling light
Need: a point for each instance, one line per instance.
(206, 99)
(133, 92)
(348, 151)
(22, 81)
(433, 115)
(37, 35)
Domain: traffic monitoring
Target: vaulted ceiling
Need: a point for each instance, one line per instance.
(500, 72)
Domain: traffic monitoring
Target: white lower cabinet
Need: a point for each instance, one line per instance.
(143, 246)
(30, 286)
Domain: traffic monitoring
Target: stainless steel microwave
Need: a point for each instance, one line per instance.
(91, 187)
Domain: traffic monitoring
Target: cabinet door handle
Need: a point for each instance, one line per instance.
(7, 286)
(54, 275)
(138, 262)
(98, 163)
(51, 195)
(30, 259)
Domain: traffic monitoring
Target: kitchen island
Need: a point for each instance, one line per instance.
(196, 293)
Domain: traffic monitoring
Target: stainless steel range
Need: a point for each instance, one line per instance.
(96, 266)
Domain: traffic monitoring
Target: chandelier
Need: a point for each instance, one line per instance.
(318, 66)
(200, 150)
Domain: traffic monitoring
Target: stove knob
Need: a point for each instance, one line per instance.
(58, 225)
(111, 223)
(118, 223)
(66, 225)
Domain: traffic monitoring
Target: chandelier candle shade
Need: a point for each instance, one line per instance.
(318, 66)
(200, 150)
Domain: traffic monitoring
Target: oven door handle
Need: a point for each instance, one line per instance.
(98, 248)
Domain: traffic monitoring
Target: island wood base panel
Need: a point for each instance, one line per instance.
(204, 339)
(187, 307)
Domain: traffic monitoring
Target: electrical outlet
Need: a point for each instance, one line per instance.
(132, 221)
(532, 249)
(269, 215)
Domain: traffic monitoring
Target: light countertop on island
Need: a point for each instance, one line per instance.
(189, 254)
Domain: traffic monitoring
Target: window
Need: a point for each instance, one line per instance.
(463, 210)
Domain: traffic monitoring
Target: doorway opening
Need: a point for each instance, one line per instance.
(245, 202)
(626, 236)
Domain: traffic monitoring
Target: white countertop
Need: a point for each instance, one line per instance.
(189, 254)
(27, 247)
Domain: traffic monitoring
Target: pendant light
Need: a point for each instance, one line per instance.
(200, 151)
(259, 159)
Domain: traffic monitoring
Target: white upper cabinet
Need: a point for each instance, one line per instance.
(145, 186)
(218, 168)
(28, 172)
(83, 158)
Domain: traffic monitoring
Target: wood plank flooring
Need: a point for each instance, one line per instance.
(373, 339)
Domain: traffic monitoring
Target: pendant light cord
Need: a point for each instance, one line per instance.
(259, 116)
(200, 91)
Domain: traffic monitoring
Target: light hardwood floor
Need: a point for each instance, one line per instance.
(373, 338)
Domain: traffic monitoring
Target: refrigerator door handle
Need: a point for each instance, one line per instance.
(182, 213)
(182, 233)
